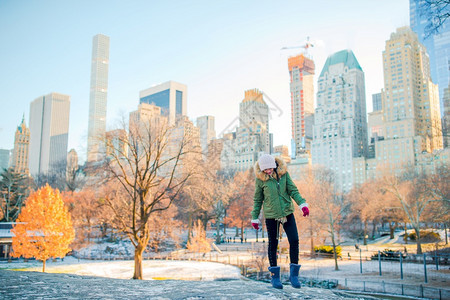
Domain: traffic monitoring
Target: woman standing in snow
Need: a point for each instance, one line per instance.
(274, 189)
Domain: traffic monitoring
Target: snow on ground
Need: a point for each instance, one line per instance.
(152, 269)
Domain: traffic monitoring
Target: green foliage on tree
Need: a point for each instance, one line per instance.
(14, 189)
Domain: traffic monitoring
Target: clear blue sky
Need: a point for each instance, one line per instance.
(218, 49)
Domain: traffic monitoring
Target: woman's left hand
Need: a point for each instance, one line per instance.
(305, 211)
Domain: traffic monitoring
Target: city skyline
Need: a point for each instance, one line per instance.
(210, 60)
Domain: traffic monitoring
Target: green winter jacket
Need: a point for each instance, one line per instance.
(275, 197)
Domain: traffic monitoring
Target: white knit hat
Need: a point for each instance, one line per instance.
(266, 161)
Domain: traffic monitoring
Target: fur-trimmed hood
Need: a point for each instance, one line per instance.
(281, 169)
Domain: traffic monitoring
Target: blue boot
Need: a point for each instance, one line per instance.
(293, 276)
(275, 277)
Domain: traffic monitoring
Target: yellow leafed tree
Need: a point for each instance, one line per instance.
(199, 243)
(44, 227)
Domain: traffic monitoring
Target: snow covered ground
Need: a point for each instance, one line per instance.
(152, 269)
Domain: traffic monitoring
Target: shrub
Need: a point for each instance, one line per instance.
(328, 249)
(388, 254)
(426, 236)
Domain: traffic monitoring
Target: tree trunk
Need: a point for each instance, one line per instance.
(365, 234)
(138, 261)
(391, 231)
(419, 245)
(189, 226)
(43, 265)
(242, 232)
(205, 222)
(237, 232)
(224, 224)
(217, 232)
(406, 234)
(336, 268)
(374, 227)
(224, 228)
(445, 230)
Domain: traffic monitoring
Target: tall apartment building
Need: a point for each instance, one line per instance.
(147, 116)
(411, 118)
(145, 124)
(242, 148)
(49, 131)
(21, 149)
(340, 130)
(254, 116)
(301, 73)
(410, 98)
(375, 124)
(437, 46)
(170, 96)
(446, 118)
(186, 128)
(207, 131)
(376, 102)
(116, 144)
(283, 152)
(98, 98)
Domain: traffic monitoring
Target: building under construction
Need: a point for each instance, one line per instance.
(301, 73)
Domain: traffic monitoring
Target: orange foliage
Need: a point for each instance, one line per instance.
(44, 227)
(87, 215)
(241, 204)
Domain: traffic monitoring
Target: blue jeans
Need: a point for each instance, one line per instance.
(290, 227)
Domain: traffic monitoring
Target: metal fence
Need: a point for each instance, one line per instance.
(425, 268)
(395, 289)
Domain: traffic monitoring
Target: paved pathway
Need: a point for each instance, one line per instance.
(37, 285)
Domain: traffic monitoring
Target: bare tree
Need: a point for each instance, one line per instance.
(330, 205)
(149, 165)
(438, 186)
(365, 204)
(84, 207)
(75, 178)
(411, 191)
(313, 225)
(437, 13)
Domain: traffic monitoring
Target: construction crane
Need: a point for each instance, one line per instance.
(306, 46)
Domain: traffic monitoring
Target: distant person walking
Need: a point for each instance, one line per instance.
(274, 189)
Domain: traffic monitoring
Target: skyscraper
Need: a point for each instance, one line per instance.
(410, 115)
(254, 117)
(146, 116)
(49, 130)
(437, 47)
(207, 131)
(301, 73)
(242, 148)
(376, 102)
(410, 98)
(340, 130)
(98, 97)
(446, 118)
(170, 96)
(21, 149)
